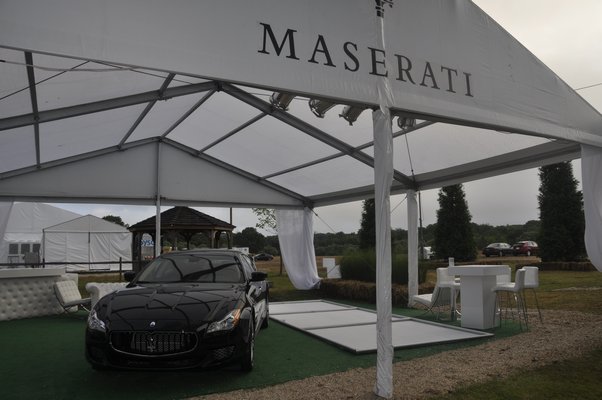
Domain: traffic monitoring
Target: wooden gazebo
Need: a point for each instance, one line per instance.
(180, 222)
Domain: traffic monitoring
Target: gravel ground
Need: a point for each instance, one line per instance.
(563, 335)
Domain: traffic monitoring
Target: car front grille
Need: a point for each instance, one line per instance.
(153, 343)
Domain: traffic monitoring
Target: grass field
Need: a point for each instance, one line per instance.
(577, 378)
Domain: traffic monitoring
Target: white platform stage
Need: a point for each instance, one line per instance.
(354, 329)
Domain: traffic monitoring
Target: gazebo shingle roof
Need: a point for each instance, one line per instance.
(183, 218)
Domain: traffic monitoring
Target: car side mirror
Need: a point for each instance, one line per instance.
(258, 276)
(129, 275)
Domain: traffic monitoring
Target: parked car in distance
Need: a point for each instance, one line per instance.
(526, 247)
(197, 308)
(498, 249)
(263, 257)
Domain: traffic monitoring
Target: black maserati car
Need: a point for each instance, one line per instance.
(199, 308)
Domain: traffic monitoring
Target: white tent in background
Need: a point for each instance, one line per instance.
(88, 239)
(24, 225)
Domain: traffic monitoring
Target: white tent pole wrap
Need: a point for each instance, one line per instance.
(412, 245)
(591, 169)
(158, 204)
(383, 177)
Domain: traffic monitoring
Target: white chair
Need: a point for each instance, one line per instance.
(512, 290)
(532, 282)
(505, 277)
(69, 296)
(444, 294)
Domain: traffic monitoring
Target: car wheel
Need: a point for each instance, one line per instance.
(248, 358)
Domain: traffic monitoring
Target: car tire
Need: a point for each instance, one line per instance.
(247, 362)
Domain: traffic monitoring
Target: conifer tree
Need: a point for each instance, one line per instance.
(561, 214)
(367, 232)
(453, 232)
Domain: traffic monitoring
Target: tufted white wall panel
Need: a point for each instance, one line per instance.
(27, 297)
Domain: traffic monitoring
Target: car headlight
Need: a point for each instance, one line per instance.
(95, 323)
(228, 323)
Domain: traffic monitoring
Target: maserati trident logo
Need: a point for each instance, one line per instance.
(380, 7)
(152, 324)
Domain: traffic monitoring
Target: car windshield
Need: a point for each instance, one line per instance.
(172, 268)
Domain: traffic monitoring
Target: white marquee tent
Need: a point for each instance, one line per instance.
(88, 239)
(206, 103)
(22, 231)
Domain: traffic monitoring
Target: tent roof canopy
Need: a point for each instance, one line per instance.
(103, 106)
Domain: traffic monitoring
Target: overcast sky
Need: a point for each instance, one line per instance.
(565, 35)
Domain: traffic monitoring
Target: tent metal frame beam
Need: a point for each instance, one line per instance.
(308, 129)
(337, 155)
(245, 174)
(103, 105)
(547, 153)
(146, 110)
(113, 149)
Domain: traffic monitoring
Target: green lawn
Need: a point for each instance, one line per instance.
(578, 378)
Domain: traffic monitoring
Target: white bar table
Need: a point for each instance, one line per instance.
(476, 294)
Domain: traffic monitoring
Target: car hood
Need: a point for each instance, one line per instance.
(168, 306)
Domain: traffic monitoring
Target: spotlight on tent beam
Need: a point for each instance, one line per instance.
(351, 113)
(281, 100)
(406, 123)
(319, 107)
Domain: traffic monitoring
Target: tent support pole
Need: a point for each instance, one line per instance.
(412, 246)
(158, 204)
(383, 178)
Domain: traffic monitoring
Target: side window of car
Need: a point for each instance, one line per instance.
(247, 265)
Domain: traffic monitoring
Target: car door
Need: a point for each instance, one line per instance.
(257, 292)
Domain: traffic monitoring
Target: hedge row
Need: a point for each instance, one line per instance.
(360, 291)
(563, 266)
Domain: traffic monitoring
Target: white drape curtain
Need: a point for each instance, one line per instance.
(591, 171)
(296, 237)
(383, 177)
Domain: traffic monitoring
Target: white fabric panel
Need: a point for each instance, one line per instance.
(591, 170)
(77, 247)
(100, 247)
(18, 148)
(5, 210)
(507, 85)
(383, 177)
(55, 247)
(33, 217)
(412, 206)
(63, 91)
(87, 223)
(121, 246)
(295, 235)
(190, 179)
(13, 79)
(74, 136)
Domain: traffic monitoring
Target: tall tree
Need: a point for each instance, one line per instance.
(115, 219)
(453, 232)
(367, 232)
(561, 214)
(249, 237)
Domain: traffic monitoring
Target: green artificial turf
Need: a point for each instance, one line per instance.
(43, 358)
